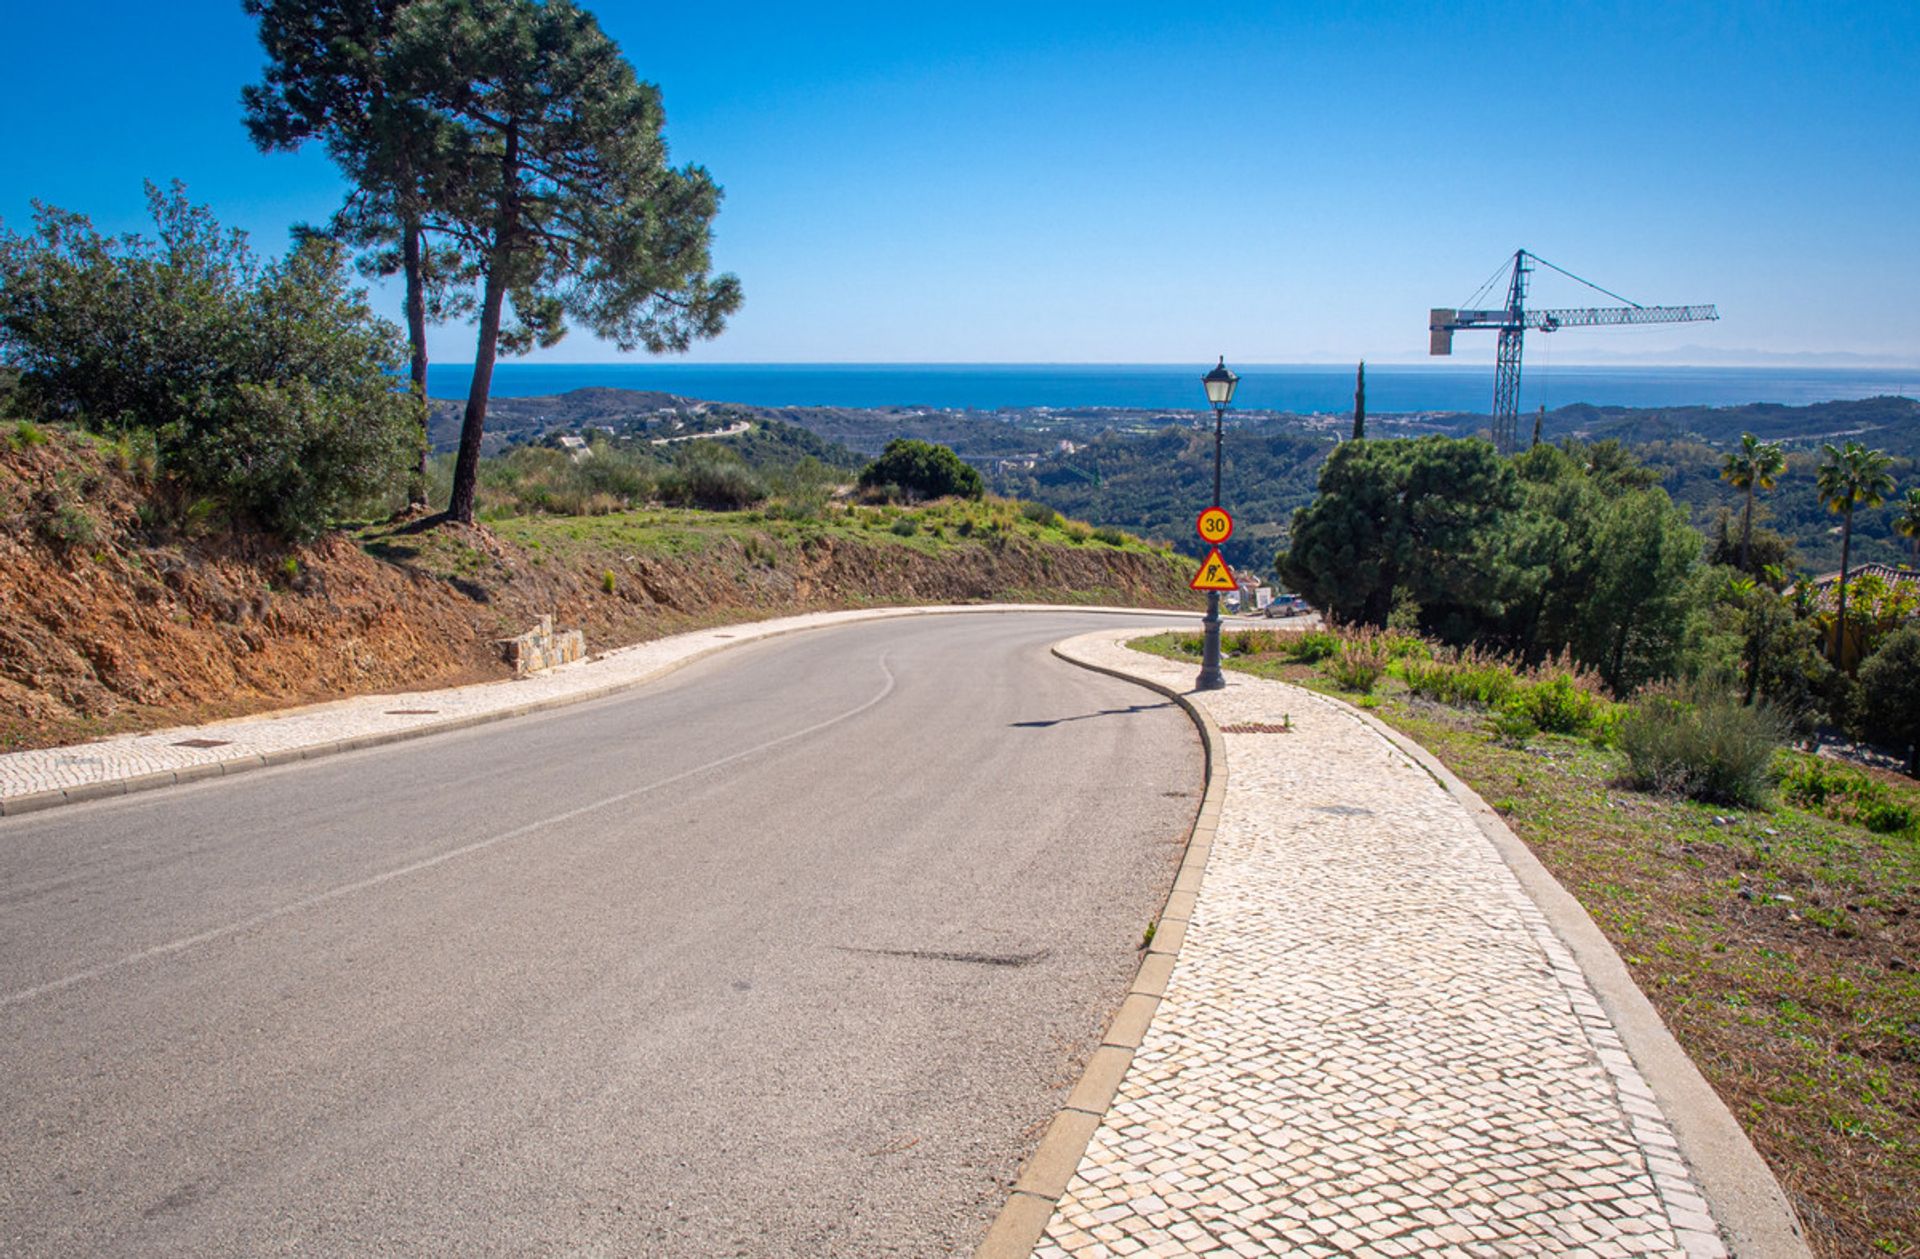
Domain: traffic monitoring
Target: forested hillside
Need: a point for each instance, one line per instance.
(1155, 484)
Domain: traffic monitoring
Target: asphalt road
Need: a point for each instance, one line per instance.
(793, 953)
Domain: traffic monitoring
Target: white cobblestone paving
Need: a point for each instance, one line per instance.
(1372, 1044)
(246, 740)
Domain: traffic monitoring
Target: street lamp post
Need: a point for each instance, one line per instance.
(1219, 382)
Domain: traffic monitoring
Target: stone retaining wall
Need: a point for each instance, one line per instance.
(541, 648)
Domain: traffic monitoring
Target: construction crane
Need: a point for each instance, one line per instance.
(1513, 321)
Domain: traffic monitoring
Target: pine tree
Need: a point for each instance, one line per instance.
(559, 189)
(331, 76)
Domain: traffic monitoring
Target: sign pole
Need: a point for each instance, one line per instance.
(1219, 384)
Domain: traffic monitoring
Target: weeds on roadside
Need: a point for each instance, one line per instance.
(1357, 667)
(1700, 743)
(1845, 795)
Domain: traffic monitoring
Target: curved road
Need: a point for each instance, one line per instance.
(793, 953)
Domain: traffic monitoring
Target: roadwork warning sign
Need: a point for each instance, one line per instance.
(1214, 574)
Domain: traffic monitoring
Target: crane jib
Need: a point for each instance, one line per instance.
(1584, 317)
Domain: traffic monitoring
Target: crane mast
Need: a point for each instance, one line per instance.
(1514, 319)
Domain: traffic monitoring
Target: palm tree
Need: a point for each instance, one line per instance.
(1907, 523)
(1757, 465)
(1850, 478)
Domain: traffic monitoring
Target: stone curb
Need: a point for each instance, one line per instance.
(1754, 1214)
(39, 801)
(1023, 1220)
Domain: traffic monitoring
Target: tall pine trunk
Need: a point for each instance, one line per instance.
(466, 468)
(417, 341)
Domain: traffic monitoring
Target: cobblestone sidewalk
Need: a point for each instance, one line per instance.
(1372, 1043)
(50, 776)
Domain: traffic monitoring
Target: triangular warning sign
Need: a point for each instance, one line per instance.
(1214, 574)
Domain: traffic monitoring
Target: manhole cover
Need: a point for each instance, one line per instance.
(1256, 727)
(411, 712)
(203, 743)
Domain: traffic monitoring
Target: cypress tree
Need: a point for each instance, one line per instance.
(1360, 401)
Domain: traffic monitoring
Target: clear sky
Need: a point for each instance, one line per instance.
(1119, 182)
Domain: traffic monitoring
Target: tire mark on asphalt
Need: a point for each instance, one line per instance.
(208, 936)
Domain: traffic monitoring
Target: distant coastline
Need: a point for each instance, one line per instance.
(1303, 388)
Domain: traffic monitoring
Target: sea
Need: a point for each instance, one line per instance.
(1301, 388)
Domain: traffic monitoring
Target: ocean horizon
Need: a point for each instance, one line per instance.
(1303, 388)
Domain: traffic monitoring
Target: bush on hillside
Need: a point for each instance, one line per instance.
(916, 470)
(268, 387)
(1040, 514)
(1702, 744)
(1887, 700)
(1557, 703)
(710, 477)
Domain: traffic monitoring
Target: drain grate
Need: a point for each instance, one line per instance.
(202, 743)
(411, 712)
(1256, 727)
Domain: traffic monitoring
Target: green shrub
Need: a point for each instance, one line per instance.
(1314, 646)
(1845, 795)
(269, 387)
(1702, 744)
(1887, 700)
(26, 434)
(1604, 730)
(915, 469)
(1888, 817)
(716, 484)
(1040, 514)
(906, 526)
(1512, 726)
(1556, 704)
(1110, 535)
(1401, 646)
(1357, 668)
(1078, 531)
(608, 582)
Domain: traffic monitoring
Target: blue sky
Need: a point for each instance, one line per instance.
(986, 182)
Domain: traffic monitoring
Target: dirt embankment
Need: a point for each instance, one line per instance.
(115, 616)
